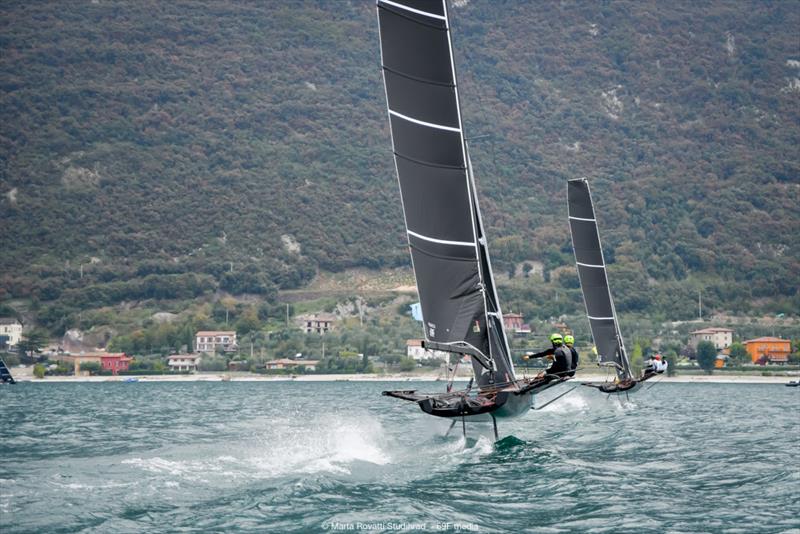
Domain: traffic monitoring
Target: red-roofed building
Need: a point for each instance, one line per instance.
(115, 362)
(774, 349)
(720, 337)
(514, 323)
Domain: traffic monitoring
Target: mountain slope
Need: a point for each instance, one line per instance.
(243, 146)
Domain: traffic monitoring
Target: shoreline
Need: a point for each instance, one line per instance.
(247, 377)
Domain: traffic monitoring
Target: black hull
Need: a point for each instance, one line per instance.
(482, 406)
(628, 386)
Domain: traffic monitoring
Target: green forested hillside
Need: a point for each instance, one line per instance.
(168, 149)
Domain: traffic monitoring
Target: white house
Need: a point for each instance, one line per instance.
(318, 323)
(11, 329)
(184, 362)
(208, 341)
(415, 350)
(722, 338)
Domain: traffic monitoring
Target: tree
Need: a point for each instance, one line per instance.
(526, 269)
(38, 370)
(671, 357)
(91, 367)
(706, 356)
(636, 358)
(32, 342)
(248, 322)
(407, 364)
(213, 364)
(739, 354)
(229, 304)
(11, 359)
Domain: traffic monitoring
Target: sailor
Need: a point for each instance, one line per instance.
(559, 354)
(569, 341)
(562, 362)
(655, 364)
(555, 339)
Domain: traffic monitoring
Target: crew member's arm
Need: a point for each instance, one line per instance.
(542, 354)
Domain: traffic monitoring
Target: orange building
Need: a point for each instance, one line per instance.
(774, 348)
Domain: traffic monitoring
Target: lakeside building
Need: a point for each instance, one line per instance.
(319, 323)
(114, 362)
(285, 363)
(184, 362)
(774, 349)
(238, 365)
(10, 331)
(415, 350)
(514, 323)
(208, 341)
(722, 338)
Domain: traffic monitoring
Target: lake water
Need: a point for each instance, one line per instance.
(336, 456)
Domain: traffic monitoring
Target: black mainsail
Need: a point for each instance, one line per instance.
(594, 279)
(460, 309)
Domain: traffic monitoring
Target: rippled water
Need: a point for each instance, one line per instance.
(306, 457)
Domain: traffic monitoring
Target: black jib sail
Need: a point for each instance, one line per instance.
(594, 280)
(460, 309)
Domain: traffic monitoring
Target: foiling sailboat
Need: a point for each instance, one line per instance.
(460, 309)
(596, 292)
(5, 374)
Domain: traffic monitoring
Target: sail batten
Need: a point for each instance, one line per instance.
(423, 123)
(442, 241)
(445, 234)
(413, 10)
(594, 279)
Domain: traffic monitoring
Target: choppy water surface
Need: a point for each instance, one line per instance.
(308, 457)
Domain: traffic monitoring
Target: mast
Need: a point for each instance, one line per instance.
(494, 315)
(593, 276)
(443, 227)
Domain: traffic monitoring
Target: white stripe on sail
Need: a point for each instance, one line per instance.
(441, 241)
(600, 318)
(589, 265)
(582, 219)
(411, 9)
(423, 123)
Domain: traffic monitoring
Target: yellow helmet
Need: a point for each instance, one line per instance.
(569, 340)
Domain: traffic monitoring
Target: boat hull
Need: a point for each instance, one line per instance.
(507, 405)
(483, 406)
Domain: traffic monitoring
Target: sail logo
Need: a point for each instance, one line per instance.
(431, 330)
(477, 327)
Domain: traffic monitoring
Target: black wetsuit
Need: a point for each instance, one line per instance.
(575, 359)
(562, 364)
